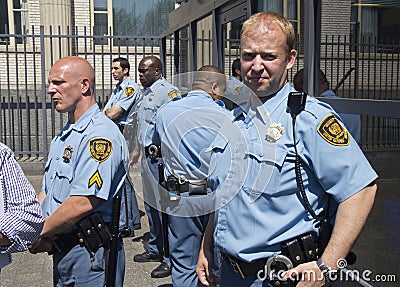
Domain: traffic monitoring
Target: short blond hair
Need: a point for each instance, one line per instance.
(264, 19)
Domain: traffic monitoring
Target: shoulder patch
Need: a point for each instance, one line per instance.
(172, 94)
(100, 149)
(237, 89)
(129, 91)
(332, 131)
(95, 179)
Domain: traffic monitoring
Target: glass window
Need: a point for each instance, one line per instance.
(287, 8)
(14, 15)
(135, 17)
(204, 42)
(3, 19)
(270, 6)
(379, 21)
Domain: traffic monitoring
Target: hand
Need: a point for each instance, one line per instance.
(308, 274)
(42, 245)
(133, 158)
(204, 268)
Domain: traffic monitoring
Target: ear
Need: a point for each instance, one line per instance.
(214, 88)
(85, 86)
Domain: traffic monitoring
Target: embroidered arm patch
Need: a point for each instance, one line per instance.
(100, 149)
(129, 91)
(172, 94)
(96, 179)
(332, 131)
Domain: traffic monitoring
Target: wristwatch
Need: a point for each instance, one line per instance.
(329, 274)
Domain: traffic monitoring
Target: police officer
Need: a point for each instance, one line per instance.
(233, 86)
(124, 97)
(84, 171)
(157, 91)
(185, 130)
(352, 122)
(260, 211)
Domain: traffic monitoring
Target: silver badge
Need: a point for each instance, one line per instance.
(274, 132)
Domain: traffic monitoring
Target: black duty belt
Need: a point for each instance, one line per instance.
(243, 268)
(295, 251)
(64, 243)
(181, 185)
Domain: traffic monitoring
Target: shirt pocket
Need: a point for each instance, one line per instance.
(62, 179)
(265, 171)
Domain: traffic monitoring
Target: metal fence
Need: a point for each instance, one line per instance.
(28, 120)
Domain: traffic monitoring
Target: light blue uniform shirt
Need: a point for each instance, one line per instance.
(87, 158)
(352, 122)
(154, 97)
(186, 128)
(233, 86)
(125, 95)
(253, 173)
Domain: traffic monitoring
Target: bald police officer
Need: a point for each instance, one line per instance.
(185, 130)
(157, 91)
(84, 171)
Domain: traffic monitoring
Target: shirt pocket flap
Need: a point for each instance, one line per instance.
(64, 170)
(269, 153)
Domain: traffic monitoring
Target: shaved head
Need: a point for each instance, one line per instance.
(71, 86)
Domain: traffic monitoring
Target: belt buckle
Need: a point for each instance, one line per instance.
(271, 273)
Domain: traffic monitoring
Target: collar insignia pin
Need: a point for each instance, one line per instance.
(274, 132)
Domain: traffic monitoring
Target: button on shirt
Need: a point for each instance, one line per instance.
(87, 158)
(154, 97)
(253, 175)
(125, 95)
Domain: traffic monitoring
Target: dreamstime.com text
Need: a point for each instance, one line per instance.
(345, 275)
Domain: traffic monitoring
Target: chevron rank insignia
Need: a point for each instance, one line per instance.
(332, 131)
(100, 149)
(172, 94)
(129, 91)
(96, 179)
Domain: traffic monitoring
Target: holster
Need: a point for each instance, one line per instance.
(93, 232)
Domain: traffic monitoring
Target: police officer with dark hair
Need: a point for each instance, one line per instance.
(124, 97)
(233, 86)
(236, 69)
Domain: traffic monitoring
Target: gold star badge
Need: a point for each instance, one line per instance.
(274, 132)
(67, 153)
